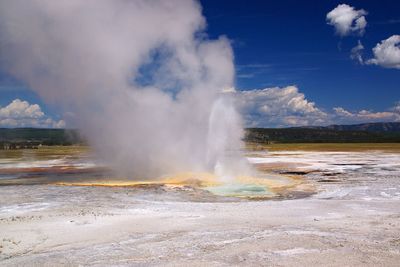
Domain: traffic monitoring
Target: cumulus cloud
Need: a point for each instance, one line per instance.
(23, 114)
(396, 108)
(342, 115)
(347, 20)
(356, 53)
(276, 107)
(387, 53)
(286, 107)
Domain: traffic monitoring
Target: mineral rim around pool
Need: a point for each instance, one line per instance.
(69, 173)
(264, 186)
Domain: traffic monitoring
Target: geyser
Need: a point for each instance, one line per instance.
(139, 78)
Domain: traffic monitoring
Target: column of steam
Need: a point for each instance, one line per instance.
(85, 57)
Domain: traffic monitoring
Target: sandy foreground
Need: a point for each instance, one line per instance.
(353, 219)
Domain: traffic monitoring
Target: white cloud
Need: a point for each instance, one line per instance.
(347, 20)
(275, 107)
(396, 108)
(284, 107)
(342, 112)
(22, 114)
(344, 116)
(387, 53)
(21, 109)
(356, 53)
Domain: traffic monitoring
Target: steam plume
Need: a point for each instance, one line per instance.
(139, 78)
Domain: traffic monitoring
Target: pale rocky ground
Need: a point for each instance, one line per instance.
(352, 220)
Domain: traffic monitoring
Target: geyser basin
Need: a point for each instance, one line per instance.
(265, 186)
(73, 166)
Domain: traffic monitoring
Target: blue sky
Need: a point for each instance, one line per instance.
(289, 43)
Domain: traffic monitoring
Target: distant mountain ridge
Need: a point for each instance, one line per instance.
(368, 127)
(380, 132)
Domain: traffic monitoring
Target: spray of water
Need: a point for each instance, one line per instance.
(224, 135)
(139, 78)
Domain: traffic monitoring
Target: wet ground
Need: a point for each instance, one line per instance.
(341, 208)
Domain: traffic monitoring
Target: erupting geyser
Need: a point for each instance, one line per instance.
(224, 140)
(139, 78)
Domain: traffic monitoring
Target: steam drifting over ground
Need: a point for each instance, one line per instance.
(139, 78)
